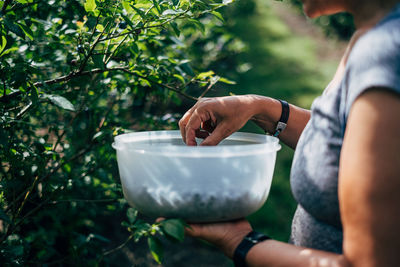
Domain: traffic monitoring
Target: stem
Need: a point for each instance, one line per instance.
(145, 27)
(94, 28)
(85, 200)
(113, 52)
(116, 248)
(72, 75)
(27, 196)
(24, 110)
(212, 83)
(85, 60)
(162, 85)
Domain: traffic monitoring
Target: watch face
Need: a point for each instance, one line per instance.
(255, 237)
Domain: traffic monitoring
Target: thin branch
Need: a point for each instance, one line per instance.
(6, 98)
(27, 196)
(212, 83)
(70, 76)
(117, 248)
(85, 60)
(145, 27)
(15, 224)
(85, 200)
(179, 91)
(94, 27)
(113, 52)
(124, 69)
(24, 110)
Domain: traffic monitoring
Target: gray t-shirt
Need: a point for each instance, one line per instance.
(373, 62)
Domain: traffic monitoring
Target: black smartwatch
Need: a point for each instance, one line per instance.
(251, 239)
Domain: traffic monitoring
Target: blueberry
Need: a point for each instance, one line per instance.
(73, 62)
(80, 49)
(122, 25)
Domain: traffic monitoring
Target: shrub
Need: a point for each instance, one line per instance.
(73, 74)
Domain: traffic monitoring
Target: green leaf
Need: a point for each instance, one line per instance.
(140, 12)
(131, 213)
(198, 25)
(130, 23)
(175, 28)
(156, 248)
(100, 27)
(98, 61)
(28, 32)
(3, 43)
(101, 238)
(225, 80)
(90, 5)
(174, 228)
(218, 15)
(204, 75)
(127, 7)
(7, 51)
(226, 2)
(180, 77)
(60, 101)
(14, 28)
(97, 135)
(34, 94)
(187, 69)
(23, 1)
(157, 6)
(170, 12)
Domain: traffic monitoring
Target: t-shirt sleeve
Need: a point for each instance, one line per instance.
(373, 62)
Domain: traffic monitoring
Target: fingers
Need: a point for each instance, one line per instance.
(193, 230)
(221, 132)
(193, 126)
(183, 122)
(160, 219)
(200, 121)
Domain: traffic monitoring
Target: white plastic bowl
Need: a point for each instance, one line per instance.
(161, 176)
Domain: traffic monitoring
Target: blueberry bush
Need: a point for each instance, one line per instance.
(73, 74)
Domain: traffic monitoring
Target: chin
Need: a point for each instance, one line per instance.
(312, 10)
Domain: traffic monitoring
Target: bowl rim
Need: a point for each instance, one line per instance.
(265, 144)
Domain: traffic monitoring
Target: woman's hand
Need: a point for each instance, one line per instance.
(224, 235)
(216, 118)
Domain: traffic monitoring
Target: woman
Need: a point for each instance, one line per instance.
(346, 169)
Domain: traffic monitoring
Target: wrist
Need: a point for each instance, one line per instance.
(229, 245)
(266, 112)
(244, 247)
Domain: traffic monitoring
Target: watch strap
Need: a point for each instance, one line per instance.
(251, 239)
(282, 123)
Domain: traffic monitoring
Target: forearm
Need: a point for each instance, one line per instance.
(267, 113)
(275, 253)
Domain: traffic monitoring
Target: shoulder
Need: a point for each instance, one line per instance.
(374, 61)
(380, 45)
